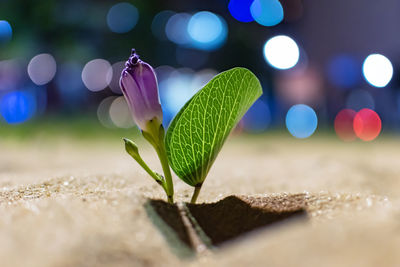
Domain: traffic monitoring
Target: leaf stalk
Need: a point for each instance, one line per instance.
(196, 193)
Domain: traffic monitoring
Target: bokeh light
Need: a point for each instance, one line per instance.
(42, 68)
(96, 74)
(207, 30)
(103, 112)
(240, 10)
(62, 65)
(300, 85)
(177, 86)
(176, 28)
(163, 72)
(281, 52)
(115, 74)
(203, 30)
(202, 77)
(344, 71)
(11, 72)
(367, 124)
(301, 121)
(258, 118)
(70, 86)
(267, 12)
(120, 114)
(177, 90)
(359, 99)
(17, 106)
(122, 17)
(344, 125)
(5, 31)
(159, 23)
(377, 70)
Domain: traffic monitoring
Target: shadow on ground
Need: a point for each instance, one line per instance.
(222, 221)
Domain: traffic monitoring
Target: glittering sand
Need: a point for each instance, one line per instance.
(74, 203)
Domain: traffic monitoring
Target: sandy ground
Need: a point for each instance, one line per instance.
(74, 203)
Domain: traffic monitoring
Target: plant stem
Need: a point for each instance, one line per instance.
(162, 155)
(147, 169)
(132, 149)
(196, 193)
(155, 135)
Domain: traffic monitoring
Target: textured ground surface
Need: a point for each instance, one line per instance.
(74, 203)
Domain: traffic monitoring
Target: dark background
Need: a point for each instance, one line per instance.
(76, 32)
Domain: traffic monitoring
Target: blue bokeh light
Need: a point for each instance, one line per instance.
(176, 29)
(267, 12)
(70, 86)
(17, 106)
(178, 91)
(301, 121)
(258, 118)
(240, 10)
(344, 71)
(159, 22)
(39, 93)
(122, 17)
(207, 30)
(5, 31)
(177, 86)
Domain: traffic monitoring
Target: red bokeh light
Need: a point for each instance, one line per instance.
(344, 124)
(367, 124)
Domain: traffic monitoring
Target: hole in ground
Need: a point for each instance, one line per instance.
(222, 221)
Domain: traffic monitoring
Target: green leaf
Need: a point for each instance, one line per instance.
(199, 130)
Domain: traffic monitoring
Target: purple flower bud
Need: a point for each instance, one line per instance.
(139, 84)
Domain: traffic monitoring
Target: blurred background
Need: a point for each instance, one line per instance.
(329, 66)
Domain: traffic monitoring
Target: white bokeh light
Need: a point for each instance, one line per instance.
(120, 114)
(103, 112)
(377, 70)
(115, 74)
(281, 52)
(42, 68)
(96, 74)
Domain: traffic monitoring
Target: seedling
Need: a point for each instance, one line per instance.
(199, 130)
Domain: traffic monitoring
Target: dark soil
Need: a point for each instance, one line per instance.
(232, 217)
(229, 218)
(167, 218)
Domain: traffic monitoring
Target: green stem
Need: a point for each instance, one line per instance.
(132, 149)
(148, 170)
(154, 176)
(196, 193)
(155, 134)
(162, 155)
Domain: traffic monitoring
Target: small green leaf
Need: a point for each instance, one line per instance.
(199, 130)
